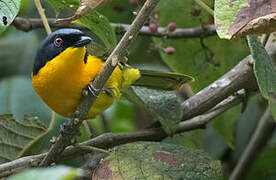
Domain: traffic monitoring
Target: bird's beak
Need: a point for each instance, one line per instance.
(84, 40)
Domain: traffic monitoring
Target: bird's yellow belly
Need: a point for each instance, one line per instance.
(63, 96)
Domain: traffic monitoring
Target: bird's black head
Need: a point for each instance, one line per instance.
(56, 43)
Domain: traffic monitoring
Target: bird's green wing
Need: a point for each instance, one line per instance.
(167, 81)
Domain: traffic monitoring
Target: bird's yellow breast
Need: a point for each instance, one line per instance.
(60, 82)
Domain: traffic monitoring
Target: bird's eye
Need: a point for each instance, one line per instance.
(58, 42)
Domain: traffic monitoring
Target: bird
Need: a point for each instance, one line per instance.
(63, 68)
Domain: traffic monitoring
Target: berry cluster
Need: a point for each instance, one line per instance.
(171, 27)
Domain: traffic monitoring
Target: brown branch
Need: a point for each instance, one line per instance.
(86, 103)
(109, 140)
(26, 25)
(241, 76)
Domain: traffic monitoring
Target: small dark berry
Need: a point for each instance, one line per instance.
(195, 12)
(153, 27)
(172, 26)
(169, 50)
(134, 2)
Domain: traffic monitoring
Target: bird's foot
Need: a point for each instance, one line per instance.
(93, 90)
(107, 91)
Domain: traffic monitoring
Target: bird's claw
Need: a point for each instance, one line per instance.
(93, 90)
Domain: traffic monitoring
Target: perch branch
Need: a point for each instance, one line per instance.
(109, 140)
(26, 25)
(87, 101)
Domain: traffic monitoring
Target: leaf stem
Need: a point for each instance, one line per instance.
(90, 148)
(205, 7)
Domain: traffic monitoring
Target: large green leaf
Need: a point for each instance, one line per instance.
(264, 71)
(119, 11)
(153, 160)
(206, 62)
(16, 136)
(120, 116)
(226, 12)
(163, 106)
(224, 124)
(213, 143)
(53, 173)
(8, 11)
(99, 25)
(58, 6)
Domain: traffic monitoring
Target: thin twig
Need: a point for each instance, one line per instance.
(43, 16)
(87, 129)
(46, 25)
(262, 132)
(90, 148)
(87, 102)
(109, 140)
(25, 24)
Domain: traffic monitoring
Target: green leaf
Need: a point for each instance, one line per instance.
(99, 25)
(246, 124)
(264, 71)
(163, 106)
(190, 139)
(205, 60)
(17, 136)
(264, 166)
(58, 6)
(272, 107)
(120, 116)
(213, 143)
(8, 10)
(224, 124)
(53, 173)
(226, 12)
(154, 160)
(119, 11)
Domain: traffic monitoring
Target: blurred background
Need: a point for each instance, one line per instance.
(206, 59)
